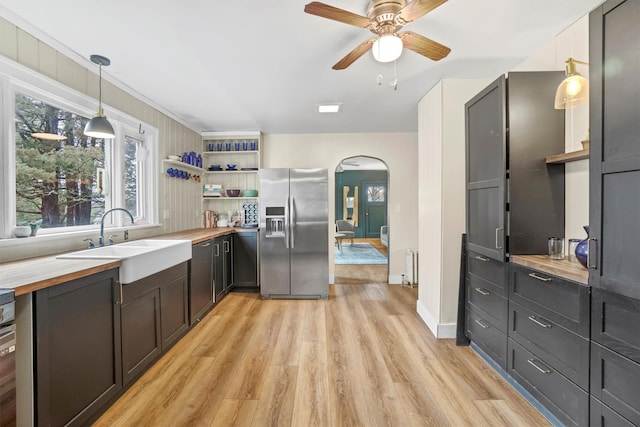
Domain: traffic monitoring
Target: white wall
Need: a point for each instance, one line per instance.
(442, 201)
(179, 199)
(397, 150)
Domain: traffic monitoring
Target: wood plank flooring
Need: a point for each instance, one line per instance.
(361, 358)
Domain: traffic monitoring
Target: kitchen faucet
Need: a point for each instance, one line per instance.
(101, 241)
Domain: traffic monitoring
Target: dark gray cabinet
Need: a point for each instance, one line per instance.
(549, 341)
(514, 200)
(223, 265)
(201, 295)
(568, 402)
(154, 315)
(245, 261)
(77, 349)
(615, 152)
(614, 209)
(486, 305)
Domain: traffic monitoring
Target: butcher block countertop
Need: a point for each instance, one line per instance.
(561, 268)
(32, 274)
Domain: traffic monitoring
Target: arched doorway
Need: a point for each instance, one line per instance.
(361, 208)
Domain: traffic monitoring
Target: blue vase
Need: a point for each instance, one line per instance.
(582, 250)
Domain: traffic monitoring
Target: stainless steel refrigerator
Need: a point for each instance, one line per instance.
(294, 245)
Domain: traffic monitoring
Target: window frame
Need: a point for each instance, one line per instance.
(17, 78)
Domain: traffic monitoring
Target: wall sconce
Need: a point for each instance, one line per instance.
(574, 89)
(99, 126)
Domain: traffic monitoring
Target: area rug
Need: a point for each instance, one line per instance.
(358, 253)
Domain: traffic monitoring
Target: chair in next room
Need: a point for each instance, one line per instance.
(346, 228)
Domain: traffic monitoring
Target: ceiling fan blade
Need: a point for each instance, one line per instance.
(356, 53)
(424, 46)
(340, 15)
(416, 9)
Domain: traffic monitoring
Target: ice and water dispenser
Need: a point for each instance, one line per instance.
(275, 221)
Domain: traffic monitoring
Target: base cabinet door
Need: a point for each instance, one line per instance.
(140, 334)
(201, 294)
(77, 350)
(174, 313)
(245, 260)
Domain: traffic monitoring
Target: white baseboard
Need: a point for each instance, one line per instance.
(395, 280)
(440, 331)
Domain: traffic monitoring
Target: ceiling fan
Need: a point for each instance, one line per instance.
(385, 18)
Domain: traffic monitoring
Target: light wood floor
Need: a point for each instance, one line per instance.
(361, 358)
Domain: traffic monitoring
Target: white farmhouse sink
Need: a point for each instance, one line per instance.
(139, 258)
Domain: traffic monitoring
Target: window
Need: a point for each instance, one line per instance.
(375, 193)
(58, 178)
(56, 166)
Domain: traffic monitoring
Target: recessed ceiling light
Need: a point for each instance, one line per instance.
(329, 108)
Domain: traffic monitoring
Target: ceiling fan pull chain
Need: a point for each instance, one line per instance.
(394, 83)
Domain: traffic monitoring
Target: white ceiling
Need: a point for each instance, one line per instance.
(263, 65)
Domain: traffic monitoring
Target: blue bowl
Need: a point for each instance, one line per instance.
(231, 166)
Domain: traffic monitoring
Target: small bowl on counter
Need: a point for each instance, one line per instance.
(22, 231)
(233, 193)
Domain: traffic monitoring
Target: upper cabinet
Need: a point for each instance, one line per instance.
(515, 202)
(615, 147)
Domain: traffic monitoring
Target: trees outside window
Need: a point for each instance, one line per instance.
(56, 166)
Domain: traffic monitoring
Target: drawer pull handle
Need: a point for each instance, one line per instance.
(537, 322)
(535, 276)
(205, 245)
(481, 258)
(535, 365)
(482, 325)
(482, 291)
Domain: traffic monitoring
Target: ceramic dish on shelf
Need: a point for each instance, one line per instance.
(250, 193)
(231, 166)
(233, 193)
(248, 169)
(174, 157)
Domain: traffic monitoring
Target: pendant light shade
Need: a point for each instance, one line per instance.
(99, 126)
(574, 90)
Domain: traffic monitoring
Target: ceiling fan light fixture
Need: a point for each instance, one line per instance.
(387, 48)
(99, 126)
(574, 89)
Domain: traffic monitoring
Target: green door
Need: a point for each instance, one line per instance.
(375, 207)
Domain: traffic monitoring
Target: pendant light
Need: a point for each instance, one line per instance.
(574, 90)
(99, 126)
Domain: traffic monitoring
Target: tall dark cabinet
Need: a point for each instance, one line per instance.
(614, 200)
(514, 200)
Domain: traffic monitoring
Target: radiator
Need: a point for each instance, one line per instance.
(411, 269)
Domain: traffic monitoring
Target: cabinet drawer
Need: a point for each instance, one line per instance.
(603, 416)
(562, 301)
(487, 268)
(485, 299)
(565, 351)
(560, 396)
(615, 322)
(615, 381)
(489, 338)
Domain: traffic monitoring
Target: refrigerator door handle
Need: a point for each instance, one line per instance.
(293, 222)
(286, 224)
